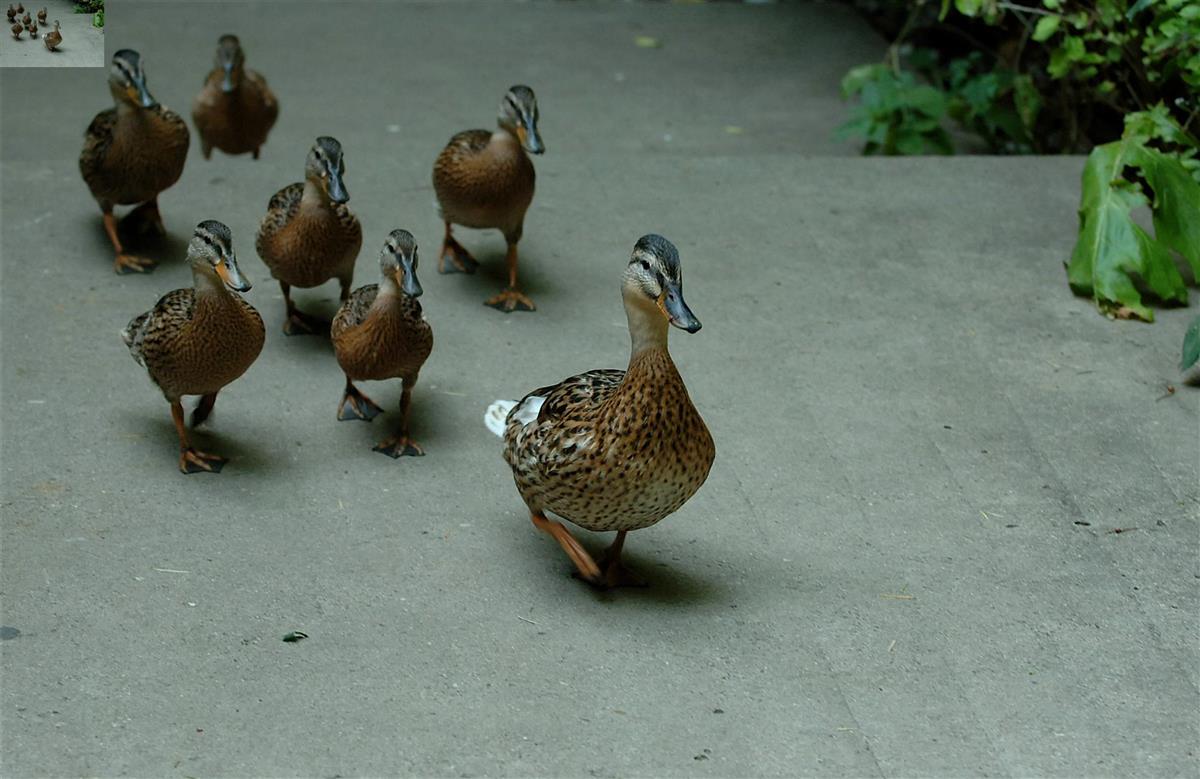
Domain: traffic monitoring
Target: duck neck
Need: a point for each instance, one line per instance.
(647, 326)
(314, 196)
(208, 284)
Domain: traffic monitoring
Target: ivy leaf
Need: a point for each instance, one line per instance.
(1112, 249)
(1191, 346)
(1046, 27)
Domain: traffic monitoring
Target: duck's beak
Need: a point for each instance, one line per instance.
(527, 134)
(676, 310)
(231, 274)
(227, 81)
(139, 92)
(337, 190)
(408, 278)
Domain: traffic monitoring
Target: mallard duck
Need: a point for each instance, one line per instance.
(610, 449)
(235, 109)
(485, 179)
(11, 13)
(41, 16)
(131, 153)
(20, 8)
(309, 236)
(26, 20)
(379, 333)
(53, 38)
(33, 30)
(195, 341)
(17, 29)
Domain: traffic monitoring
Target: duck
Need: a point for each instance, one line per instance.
(33, 33)
(485, 179)
(197, 340)
(41, 16)
(613, 450)
(235, 109)
(131, 153)
(53, 38)
(20, 8)
(17, 29)
(309, 235)
(26, 19)
(11, 13)
(380, 333)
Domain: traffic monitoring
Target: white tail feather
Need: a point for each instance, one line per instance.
(496, 415)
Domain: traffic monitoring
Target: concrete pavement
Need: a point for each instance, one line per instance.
(906, 560)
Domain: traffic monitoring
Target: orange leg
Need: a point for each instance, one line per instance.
(204, 409)
(192, 460)
(356, 405)
(511, 299)
(615, 572)
(454, 257)
(124, 263)
(298, 322)
(588, 570)
(400, 444)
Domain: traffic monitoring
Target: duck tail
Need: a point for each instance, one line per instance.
(496, 416)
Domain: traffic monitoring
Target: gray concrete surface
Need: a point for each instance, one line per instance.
(904, 563)
(82, 45)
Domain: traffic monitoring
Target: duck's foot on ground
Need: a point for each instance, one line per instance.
(356, 405)
(511, 300)
(130, 263)
(399, 446)
(300, 323)
(456, 259)
(195, 461)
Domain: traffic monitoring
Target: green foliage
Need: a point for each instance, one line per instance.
(1191, 346)
(90, 7)
(1114, 256)
(98, 19)
(896, 115)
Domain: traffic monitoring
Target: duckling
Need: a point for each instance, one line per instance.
(235, 109)
(131, 153)
(53, 38)
(41, 16)
(17, 29)
(195, 341)
(26, 20)
(610, 449)
(485, 179)
(33, 30)
(309, 236)
(379, 333)
(11, 13)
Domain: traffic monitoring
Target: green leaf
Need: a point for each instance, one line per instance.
(1191, 346)
(1176, 206)
(968, 7)
(1112, 249)
(1046, 27)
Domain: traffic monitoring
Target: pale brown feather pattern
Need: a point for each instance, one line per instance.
(484, 180)
(129, 158)
(196, 343)
(235, 122)
(307, 246)
(378, 338)
(610, 449)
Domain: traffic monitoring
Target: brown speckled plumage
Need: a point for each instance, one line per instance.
(237, 121)
(611, 449)
(614, 450)
(307, 244)
(484, 179)
(380, 333)
(197, 340)
(53, 38)
(131, 153)
(378, 338)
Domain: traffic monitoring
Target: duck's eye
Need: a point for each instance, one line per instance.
(645, 265)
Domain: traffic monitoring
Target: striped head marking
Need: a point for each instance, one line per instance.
(654, 275)
(519, 115)
(127, 80)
